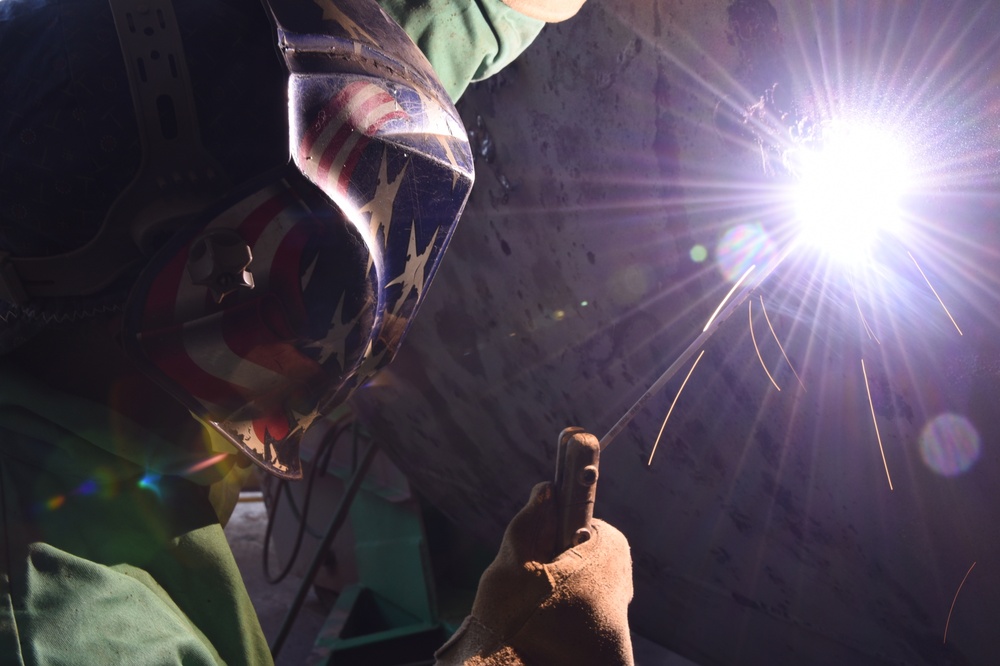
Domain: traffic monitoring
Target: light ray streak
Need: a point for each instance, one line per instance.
(945, 83)
(671, 410)
(948, 621)
(934, 291)
(756, 348)
(886, 57)
(877, 435)
(780, 346)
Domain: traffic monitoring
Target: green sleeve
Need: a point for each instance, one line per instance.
(464, 40)
(104, 560)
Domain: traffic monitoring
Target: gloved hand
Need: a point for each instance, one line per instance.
(532, 612)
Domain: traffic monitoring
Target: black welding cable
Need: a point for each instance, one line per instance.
(322, 456)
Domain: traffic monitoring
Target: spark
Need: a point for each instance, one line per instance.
(672, 404)
(948, 621)
(720, 315)
(934, 291)
(775, 335)
(868, 329)
(877, 435)
(756, 348)
(735, 287)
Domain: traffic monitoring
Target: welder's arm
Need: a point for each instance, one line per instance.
(467, 40)
(528, 610)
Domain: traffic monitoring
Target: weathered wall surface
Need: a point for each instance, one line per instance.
(765, 530)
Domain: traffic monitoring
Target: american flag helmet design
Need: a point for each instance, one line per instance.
(291, 292)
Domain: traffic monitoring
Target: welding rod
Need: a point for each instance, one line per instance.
(725, 309)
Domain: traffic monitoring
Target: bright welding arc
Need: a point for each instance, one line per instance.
(850, 182)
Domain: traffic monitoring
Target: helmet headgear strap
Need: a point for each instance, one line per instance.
(177, 177)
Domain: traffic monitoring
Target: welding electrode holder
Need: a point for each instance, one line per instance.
(577, 462)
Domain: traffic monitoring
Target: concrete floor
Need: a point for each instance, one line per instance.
(245, 532)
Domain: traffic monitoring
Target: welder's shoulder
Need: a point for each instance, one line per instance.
(550, 11)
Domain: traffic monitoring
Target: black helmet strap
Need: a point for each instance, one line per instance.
(177, 177)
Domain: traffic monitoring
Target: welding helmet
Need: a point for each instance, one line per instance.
(260, 296)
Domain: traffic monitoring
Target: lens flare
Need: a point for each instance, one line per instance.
(741, 247)
(88, 487)
(949, 444)
(205, 464)
(851, 179)
(630, 284)
(55, 502)
(151, 481)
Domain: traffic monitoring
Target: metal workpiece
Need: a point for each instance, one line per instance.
(600, 237)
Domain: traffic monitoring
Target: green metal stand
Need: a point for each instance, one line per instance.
(390, 616)
(401, 608)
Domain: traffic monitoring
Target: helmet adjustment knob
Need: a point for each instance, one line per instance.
(218, 260)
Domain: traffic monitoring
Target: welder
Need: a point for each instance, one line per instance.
(217, 218)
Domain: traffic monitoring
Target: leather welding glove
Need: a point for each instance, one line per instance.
(530, 611)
